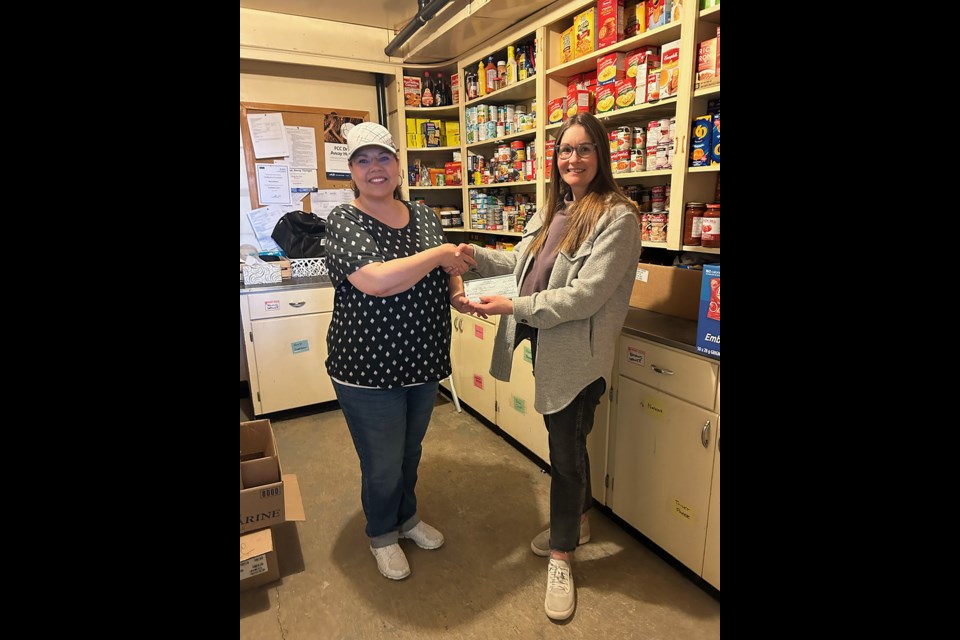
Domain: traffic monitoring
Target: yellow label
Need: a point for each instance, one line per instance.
(653, 410)
(683, 511)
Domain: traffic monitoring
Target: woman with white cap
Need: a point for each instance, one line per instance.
(389, 340)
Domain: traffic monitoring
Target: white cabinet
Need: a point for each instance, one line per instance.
(286, 343)
(517, 415)
(473, 342)
(664, 446)
(711, 552)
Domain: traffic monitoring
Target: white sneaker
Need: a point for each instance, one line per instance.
(391, 561)
(560, 600)
(425, 536)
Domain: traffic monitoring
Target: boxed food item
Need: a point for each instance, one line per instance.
(585, 33)
(635, 18)
(708, 320)
(567, 43)
(611, 67)
(454, 173)
(411, 91)
(455, 88)
(668, 290)
(610, 19)
(452, 130)
(606, 100)
(658, 13)
(707, 62)
(669, 69)
(626, 94)
(557, 110)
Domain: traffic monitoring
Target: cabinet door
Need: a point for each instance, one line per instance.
(663, 469)
(517, 415)
(290, 361)
(711, 553)
(475, 385)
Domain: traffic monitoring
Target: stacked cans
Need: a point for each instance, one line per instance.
(627, 149)
(659, 144)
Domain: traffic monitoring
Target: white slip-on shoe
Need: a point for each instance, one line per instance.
(425, 536)
(391, 561)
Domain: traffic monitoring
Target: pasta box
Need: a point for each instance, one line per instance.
(708, 322)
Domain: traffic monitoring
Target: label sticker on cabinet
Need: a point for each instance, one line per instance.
(527, 354)
(642, 274)
(683, 511)
(478, 331)
(271, 305)
(300, 346)
(636, 356)
(478, 382)
(652, 410)
(519, 405)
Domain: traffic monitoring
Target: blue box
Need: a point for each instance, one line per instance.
(708, 324)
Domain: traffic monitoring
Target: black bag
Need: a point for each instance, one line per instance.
(300, 234)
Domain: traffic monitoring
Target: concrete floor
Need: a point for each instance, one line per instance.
(489, 500)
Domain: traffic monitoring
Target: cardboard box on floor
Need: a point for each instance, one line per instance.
(259, 563)
(667, 290)
(265, 494)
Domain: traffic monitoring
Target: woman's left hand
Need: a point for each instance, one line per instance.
(494, 305)
(462, 304)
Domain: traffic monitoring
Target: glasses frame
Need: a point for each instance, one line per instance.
(576, 149)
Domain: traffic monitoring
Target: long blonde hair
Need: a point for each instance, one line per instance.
(602, 192)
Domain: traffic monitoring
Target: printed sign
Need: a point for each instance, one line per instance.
(300, 346)
(271, 305)
(636, 356)
(527, 354)
(478, 382)
(519, 405)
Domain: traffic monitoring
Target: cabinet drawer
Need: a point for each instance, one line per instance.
(685, 376)
(278, 304)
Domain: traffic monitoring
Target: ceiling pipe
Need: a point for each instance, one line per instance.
(428, 9)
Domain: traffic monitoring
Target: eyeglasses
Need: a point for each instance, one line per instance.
(584, 150)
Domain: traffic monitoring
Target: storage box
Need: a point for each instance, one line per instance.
(708, 322)
(266, 495)
(258, 560)
(667, 290)
(265, 273)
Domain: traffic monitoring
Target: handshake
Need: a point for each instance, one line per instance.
(457, 259)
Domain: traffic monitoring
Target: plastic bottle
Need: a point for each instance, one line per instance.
(426, 91)
(490, 75)
(521, 64)
(482, 79)
(511, 75)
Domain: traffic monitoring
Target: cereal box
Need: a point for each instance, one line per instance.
(707, 61)
(567, 39)
(634, 18)
(585, 33)
(411, 91)
(610, 19)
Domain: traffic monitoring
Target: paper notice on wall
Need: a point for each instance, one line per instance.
(273, 183)
(323, 201)
(303, 147)
(267, 135)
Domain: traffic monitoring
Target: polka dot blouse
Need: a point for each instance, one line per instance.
(396, 340)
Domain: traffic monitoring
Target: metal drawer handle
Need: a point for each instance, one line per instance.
(705, 434)
(297, 305)
(665, 372)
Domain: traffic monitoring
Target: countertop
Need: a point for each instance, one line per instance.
(649, 325)
(287, 285)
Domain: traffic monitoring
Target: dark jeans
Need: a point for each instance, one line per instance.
(570, 492)
(387, 427)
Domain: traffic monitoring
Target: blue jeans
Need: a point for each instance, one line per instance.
(570, 492)
(387, 427)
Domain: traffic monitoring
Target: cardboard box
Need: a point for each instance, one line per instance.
(260, 551)
(667, 290)
(266, 496)
(258, 560)
(708, 321)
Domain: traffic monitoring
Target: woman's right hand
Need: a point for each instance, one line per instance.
(455, 261)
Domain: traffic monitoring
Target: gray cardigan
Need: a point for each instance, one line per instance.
(579, 316)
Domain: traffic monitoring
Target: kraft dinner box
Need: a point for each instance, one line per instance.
(708, 322)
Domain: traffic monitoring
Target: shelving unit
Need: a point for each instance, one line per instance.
(687, 183)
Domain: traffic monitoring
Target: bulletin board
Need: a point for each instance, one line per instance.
(326, 123)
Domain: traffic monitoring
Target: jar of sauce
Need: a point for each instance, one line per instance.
(710, 229)
(692, 222)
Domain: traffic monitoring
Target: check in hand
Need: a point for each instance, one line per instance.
(494, 306)
(462, 304)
